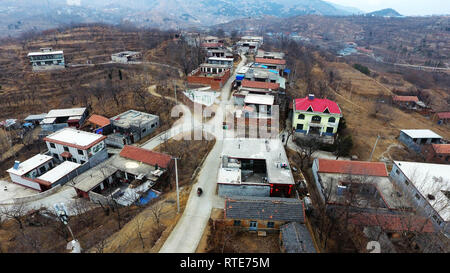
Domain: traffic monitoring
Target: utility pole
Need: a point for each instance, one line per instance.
(61, 212)
(373, 150)
(175, 89)
(176, 179)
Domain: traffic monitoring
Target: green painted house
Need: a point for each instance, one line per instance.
(313, 116)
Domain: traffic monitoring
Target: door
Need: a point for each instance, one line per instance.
(253, 225)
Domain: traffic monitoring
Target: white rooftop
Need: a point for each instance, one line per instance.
(45, 53)
(74, 137)
(421, 133)
(259, 99)
(65, 112)
(30, 164)
(59, 171)
(431, 179)
(221, 59)
(271, 150)
(230, 175)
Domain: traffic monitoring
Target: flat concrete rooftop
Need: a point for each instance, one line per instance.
(270, 150)
(132, 117)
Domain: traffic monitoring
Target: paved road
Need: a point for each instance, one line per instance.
(189, 230)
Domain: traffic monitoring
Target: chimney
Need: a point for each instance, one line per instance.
(16, 165)
(311, 97)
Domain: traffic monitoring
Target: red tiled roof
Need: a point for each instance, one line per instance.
(317, 105)
(261, 85)
(406, 98)
(444, 115)
(99, 120)
(146, 156)
(352, 167)
(392, 222)
(441, 148)
(269, 61)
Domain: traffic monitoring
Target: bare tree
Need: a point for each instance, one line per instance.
(306, 147)
(15, 212)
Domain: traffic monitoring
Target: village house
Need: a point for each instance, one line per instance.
(262, 213)
(35, 119)
(98, 124)
(60, 118)
(213, 69)
(362, 186)
(405, 101)
(211, 43)
(313, 116)
(270, 55)
(254, 167)
(46, 59)
(437, 153)
(41, 173)
(77, 146)
(250, 44)
(223, 61)
(126, 57)
(219, 53)
(428, 187)
(273, 64)
(416, 139)
(216, 80)
(124, 177)
(130, 127)
(296, 238)
(442, 118)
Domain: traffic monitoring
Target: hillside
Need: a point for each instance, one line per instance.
(384, 13)
(24, 92)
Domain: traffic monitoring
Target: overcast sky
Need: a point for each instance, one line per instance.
(405, 7)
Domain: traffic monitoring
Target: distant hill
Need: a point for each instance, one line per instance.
(18, 16)
(385, 13)
(350, 10)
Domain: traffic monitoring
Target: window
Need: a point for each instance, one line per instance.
(299, 126)
(330, 130)
(406, 182)
(143, 130)
(80, 152)
(52, 145)
(397, 171)
(270, 224)
(332, 120)
(56, 156)
(316, 118)
(301, 116)
(436, 219)
(66, 148)
(417, 196)
(237, 223)
(153, 125)
(82, 162)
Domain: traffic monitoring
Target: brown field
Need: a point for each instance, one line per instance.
(357, 107)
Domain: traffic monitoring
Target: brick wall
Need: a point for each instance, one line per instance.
(216, 83)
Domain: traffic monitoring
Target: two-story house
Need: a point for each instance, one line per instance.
(313, 116)
(77, 146)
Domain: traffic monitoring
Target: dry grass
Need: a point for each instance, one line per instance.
(357, 107)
